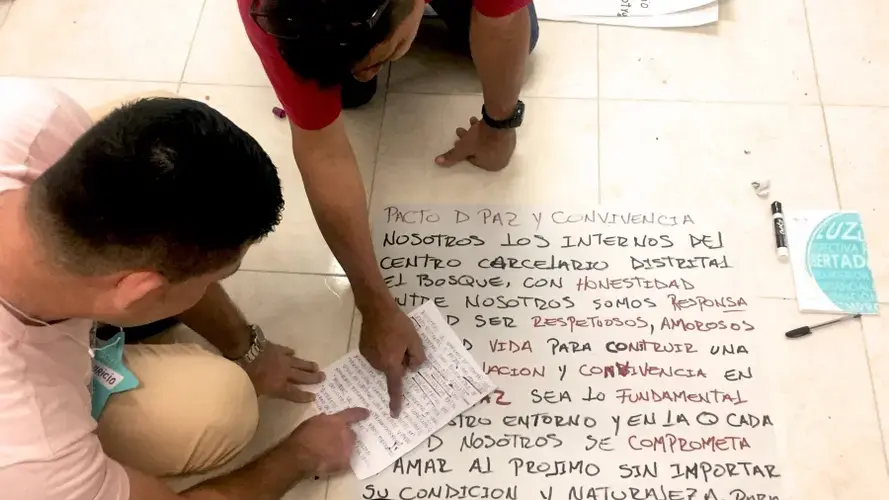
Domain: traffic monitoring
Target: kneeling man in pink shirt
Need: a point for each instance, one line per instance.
(128, 221)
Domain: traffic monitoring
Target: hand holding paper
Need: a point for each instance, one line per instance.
(323, 444)
(448, 383)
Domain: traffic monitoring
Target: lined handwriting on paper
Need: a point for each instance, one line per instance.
(446, 385)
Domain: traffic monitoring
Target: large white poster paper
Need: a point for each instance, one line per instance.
(622, 344)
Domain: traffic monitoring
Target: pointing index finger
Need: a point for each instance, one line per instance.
(353, 415)
(396, 389)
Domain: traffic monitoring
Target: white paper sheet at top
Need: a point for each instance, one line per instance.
(615, 8)
(449, 383)
(700, 16)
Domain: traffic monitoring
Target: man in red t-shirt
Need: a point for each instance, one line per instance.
(322, 55)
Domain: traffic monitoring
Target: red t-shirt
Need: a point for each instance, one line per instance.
(307, 105)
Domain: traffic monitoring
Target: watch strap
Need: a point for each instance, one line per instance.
(257, 345)
(513, 121)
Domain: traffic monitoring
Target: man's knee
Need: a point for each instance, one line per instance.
(192, 412)
(456, 15)
(535, 25)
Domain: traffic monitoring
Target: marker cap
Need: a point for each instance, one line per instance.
(783, 254)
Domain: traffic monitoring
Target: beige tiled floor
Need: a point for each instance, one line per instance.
(759, 52)
(796, 91)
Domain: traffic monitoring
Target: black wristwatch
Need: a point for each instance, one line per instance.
(513, 121)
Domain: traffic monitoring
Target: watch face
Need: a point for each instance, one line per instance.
(519, 114)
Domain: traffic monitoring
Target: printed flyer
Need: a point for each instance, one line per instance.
(830, 264)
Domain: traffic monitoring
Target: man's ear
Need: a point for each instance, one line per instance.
(133, 287)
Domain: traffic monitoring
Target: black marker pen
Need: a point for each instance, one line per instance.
(780, 231)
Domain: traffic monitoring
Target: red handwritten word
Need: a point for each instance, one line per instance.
(705, 326)
(644, 370)
(499, 400)
(573, 322)
(670, 443)
(713, 396)
(730, 304)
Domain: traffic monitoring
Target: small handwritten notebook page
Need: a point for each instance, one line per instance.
(449, 383)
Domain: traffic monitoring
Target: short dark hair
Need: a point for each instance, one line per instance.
(326, 50)
(162, 184)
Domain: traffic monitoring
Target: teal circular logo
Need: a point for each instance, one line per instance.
(836, 258)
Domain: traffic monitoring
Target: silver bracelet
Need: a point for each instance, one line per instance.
(257, 345)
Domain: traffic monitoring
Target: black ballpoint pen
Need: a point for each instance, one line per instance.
(807, 330)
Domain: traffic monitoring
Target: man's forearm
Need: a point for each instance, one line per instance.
(216, 318)
(267, 478)
(500, 47)
(347, 232)
(336, 194)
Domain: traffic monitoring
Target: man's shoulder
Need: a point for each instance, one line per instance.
(35, 462)
(48, 447)
(307, 104)
(45, 407)
(38, 123)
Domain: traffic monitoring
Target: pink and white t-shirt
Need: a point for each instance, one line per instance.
(48, 447)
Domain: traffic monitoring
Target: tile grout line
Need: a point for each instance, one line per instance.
(194, 37)
(833, 169)
(621, 99)
(873, 391)
(6, 14)
(373, 180)
(295, 273)
(128, 80)
(598, 122)
(351, 327)
(550, 97)
(373, 177)
(836, 185)
(652, 100)
(369, 195)
(326, 488)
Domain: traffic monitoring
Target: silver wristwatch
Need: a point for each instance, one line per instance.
(257, 345)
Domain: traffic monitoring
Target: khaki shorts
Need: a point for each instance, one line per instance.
(192, 412)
